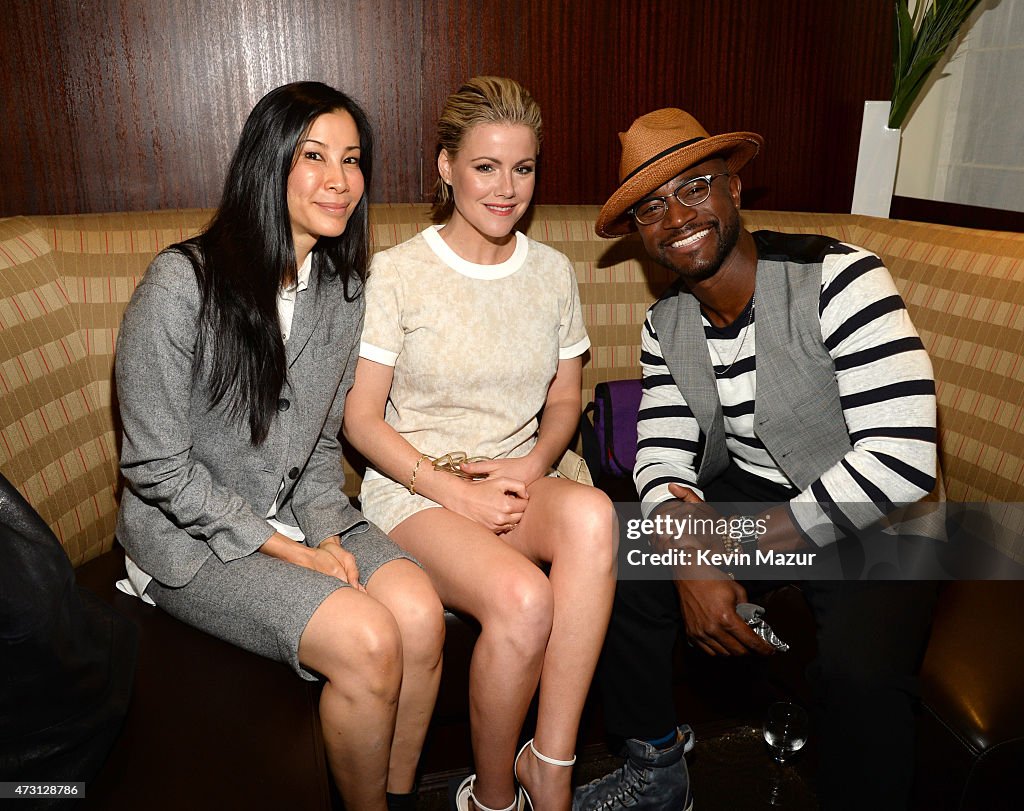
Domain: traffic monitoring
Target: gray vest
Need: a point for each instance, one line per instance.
(797, 413)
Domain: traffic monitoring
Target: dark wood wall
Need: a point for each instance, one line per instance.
(112, 105)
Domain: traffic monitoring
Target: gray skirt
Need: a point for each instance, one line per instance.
(263, 604)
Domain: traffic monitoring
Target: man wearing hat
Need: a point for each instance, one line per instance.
(779, 370)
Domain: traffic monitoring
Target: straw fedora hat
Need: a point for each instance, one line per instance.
(657, 147)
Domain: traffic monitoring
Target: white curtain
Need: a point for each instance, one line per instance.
(980, 155)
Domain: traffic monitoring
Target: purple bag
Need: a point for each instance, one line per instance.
(608, 428)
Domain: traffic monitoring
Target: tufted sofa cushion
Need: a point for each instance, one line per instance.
(100, 258)
(964, 288)
(56, 443)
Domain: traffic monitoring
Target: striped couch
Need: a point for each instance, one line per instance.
(64, 281)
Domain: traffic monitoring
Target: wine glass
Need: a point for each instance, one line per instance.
(785, 732)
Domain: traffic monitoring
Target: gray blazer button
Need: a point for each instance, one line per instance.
(283, 404)
(293, 473)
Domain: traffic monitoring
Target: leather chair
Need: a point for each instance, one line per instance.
(207, 725)
(971, 735)
(67, 658)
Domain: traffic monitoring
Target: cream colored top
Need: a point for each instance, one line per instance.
(474, 347)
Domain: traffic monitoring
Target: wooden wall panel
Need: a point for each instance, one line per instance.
(796, 71)
(136, 104)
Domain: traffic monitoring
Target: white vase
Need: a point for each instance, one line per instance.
(876, 162)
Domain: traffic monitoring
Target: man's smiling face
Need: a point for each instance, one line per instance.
(695, 241)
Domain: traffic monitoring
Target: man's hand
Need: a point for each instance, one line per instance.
(684, 494)
(686, 504)
(709, 609)
(708, 596)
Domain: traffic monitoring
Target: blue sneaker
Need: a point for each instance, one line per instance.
(650, 779)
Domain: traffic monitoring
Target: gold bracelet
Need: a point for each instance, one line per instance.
(415, 470)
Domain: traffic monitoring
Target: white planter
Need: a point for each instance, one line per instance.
(876, 162)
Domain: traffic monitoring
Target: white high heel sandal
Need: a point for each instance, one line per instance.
(465, 801)
(528, 803)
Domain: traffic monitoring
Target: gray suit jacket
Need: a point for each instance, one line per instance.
(196, 485)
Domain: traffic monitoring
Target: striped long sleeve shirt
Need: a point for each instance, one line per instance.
(887, 394)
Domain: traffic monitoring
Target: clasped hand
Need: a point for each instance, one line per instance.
(329, 558)
(497, 499)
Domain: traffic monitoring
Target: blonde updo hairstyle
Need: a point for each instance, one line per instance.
(481, 100)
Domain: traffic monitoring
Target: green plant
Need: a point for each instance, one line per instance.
(921, 41)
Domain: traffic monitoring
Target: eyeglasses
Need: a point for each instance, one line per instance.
(691, 193)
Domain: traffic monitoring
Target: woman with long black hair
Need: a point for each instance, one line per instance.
(234, 360)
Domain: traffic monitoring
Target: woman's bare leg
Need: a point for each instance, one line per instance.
(476, 572)
(354, 642)
(405, 590)
(574, 527)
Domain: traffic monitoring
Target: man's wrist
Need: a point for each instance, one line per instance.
(739, 538)
(740, 543)
(685, 523)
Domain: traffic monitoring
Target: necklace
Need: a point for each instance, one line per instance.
(743, 340)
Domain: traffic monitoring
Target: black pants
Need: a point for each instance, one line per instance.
(871, 638)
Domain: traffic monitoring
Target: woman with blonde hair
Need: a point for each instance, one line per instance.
(472, 331)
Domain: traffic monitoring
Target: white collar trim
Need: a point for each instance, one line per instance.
(471, 269)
